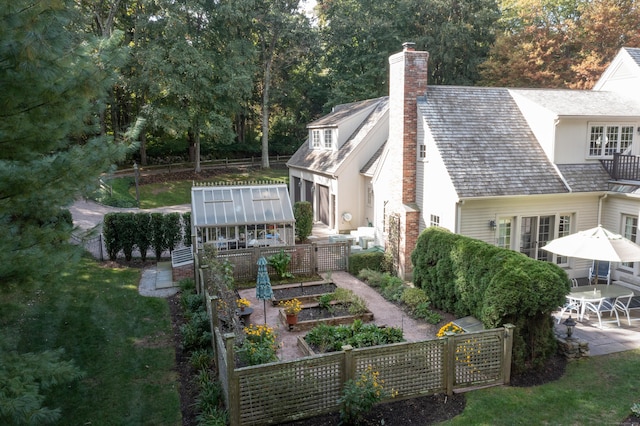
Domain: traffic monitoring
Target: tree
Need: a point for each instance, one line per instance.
(360, 35)
(559, 43)
(282, 34)
(199, 68)
(53, 82)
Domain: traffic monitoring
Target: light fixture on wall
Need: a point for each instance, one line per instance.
(299, 183)
(346, 216)
(492, 225)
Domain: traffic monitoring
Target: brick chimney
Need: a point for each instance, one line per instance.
(408, 73)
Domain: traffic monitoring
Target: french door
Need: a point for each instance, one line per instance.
(535, 233)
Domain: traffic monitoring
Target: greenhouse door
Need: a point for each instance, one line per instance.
(323, 205)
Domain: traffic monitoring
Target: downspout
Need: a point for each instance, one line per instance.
(600, 200)
(458, 225)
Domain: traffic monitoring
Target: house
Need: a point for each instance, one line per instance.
(512, 167)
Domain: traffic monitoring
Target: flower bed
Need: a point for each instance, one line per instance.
(304, 292)
(312, 315)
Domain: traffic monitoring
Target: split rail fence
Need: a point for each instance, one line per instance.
(292, 390)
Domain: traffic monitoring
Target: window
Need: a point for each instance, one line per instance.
(315, 139)
(422, 151)
(327, 139)
(607, 139)
(434, 220)
(630, 232)
(504, 233)
(564, 229)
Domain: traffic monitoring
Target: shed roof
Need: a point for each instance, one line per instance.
(213, 206)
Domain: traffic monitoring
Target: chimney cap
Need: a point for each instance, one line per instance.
(408, 45)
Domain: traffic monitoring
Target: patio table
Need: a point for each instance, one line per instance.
(590, 293)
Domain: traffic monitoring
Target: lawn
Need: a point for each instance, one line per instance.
(122, 341)
(171, 192)
(594, 391)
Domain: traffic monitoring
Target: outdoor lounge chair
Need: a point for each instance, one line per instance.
(603, 272)
(602, 306)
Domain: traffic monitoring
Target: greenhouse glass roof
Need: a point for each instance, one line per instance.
(214, 206)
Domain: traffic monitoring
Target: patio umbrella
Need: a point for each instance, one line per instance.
(263, 285)
(597, 244)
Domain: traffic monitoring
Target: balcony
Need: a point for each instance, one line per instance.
(623, 167)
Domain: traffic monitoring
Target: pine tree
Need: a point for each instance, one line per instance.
(53, 82)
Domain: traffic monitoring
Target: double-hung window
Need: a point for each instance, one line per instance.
(605, 139)
(328, 140)
(315, 139)
(630, 232)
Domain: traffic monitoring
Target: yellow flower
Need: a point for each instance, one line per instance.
(449, 328)
(291, 307)
(243, 303)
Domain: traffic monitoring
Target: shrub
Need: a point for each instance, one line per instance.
(303, 213)
(172, 230)
(186, 225)
(158, 239)
(110, 233)
(424, 311)
(359, 396)
(374, 261)
(412, 297)
(201, 359)
(498, 286)
(196, 334)
(259, 345)
(143, 233)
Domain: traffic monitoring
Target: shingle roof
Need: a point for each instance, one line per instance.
(582, 103)
(634, 52)
(585, 177)
(369, 168)
(486, 144)
(328, 161)
(342, 112)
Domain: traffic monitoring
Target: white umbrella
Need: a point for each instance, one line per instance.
(597, 244)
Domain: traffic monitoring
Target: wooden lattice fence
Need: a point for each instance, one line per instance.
(286, 391)
(306, 259)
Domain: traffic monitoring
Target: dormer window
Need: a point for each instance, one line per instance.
(322, 139)
(328, 142)
(606, 139)
(315, 139)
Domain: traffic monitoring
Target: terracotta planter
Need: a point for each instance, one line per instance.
(292, 319)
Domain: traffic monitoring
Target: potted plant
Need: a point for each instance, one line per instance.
(291, 309)
(242, 303)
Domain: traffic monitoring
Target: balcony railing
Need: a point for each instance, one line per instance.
(623, 167)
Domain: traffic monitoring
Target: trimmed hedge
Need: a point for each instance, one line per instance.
(498, 286)
(374, 261)
(127, 231)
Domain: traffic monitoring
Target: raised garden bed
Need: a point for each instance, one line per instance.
(312, 315)
(305, 292)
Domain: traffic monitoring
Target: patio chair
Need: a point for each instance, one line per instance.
(574, 282)
(573, 305)
(602, 306)
(603, 272)
(622, 304)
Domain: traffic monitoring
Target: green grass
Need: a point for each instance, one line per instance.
(121, 340)
(593, 391)
(174, 193)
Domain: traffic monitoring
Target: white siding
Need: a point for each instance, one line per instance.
(476, 215)
(614, 207)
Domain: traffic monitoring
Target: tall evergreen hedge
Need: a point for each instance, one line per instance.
(498, 286)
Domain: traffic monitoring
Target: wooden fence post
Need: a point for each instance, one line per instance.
(349, 369)
(508, 349)
(449, 362)
(233, 404)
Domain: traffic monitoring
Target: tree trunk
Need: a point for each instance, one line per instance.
(265, 113)
(143, 147)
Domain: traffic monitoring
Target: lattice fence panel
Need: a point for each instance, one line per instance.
(478, 358)
(332, 257)
(221, 363)
(285, 391)
(409, 368)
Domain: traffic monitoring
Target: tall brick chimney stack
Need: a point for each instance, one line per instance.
(408, 73)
